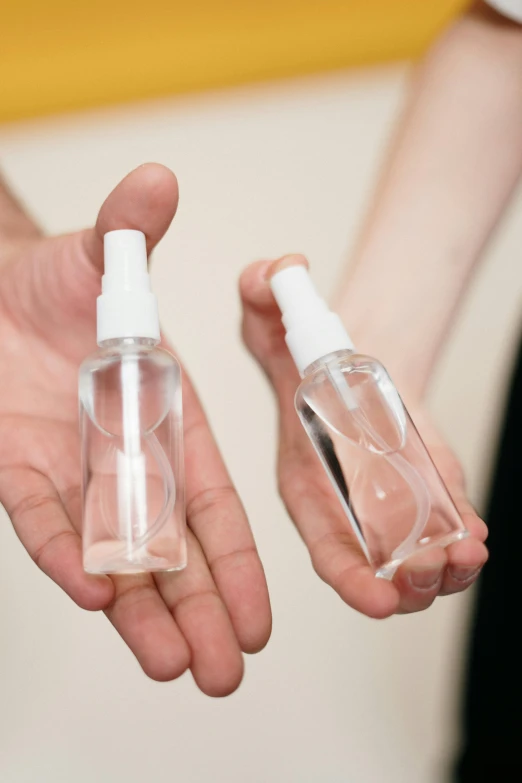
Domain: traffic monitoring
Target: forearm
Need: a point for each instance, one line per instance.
(453, 167)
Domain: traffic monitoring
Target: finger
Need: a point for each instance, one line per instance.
(336, 555)
(44, 528)
(66, 271)
(475, 526)
(467, 557)
(145, 200)
(465, 561)
(453, 476)
(142, 619)
(193, 599)
(419, 579)
(217, 518)
(337, 560)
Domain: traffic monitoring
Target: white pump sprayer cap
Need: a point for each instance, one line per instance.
(127, 307)
(312, 329)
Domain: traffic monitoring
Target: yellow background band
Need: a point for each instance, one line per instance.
(58, 55)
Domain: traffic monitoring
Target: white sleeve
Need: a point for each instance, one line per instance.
(510, 8)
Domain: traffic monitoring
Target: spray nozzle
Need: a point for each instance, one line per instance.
(127, 307)
(312, 329)
(125, 262)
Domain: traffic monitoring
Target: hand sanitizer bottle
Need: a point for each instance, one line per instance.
(394, 499)
(131, 426)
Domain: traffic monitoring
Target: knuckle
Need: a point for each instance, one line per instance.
(31, 503)
(39, 555)
(135, 593)
(210, 498)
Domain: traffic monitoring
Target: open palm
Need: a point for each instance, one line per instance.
(199, 618)
(311, 500)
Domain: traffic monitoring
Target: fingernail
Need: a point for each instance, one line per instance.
(424, 579)
(291, 259)
(464, 574)
(267, 271)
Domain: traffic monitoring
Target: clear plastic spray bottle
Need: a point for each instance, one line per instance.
(393, 497)
(131, 426)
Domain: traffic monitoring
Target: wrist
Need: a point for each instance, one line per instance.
(396, 343)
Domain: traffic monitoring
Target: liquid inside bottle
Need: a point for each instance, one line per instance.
(132, 454)
(392, 495)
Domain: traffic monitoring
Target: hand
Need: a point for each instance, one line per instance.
(201, 617)
(306, 491)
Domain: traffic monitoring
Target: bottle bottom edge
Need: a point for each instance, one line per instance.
(387, 570)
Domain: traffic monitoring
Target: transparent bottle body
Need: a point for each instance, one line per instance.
(392, 495)
(132, 459)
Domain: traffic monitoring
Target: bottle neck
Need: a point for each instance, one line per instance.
(128, 342)
(330, 358)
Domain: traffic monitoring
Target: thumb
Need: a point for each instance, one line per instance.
(57, 284)
(262, 330)
(145, 200)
